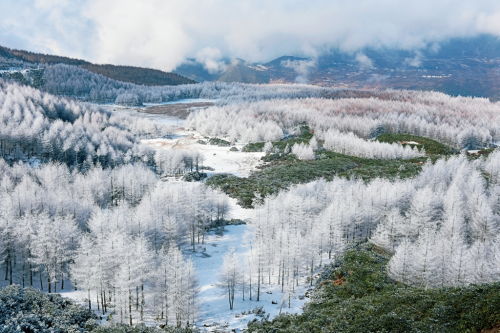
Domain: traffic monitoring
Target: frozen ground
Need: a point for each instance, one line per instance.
(137, 111)
(220, 158)
(214, 304)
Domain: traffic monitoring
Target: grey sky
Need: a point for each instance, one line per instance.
(162, 33)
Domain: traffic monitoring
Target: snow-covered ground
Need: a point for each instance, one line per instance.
(220, 158)
(164, 119)
(214, 304)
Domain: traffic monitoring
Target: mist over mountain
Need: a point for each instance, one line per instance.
(467, 66)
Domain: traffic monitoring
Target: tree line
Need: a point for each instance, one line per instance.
(460, 122)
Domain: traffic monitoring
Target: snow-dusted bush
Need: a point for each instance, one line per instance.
(268, 147)
(128, 99)
(350, 144)
(303, 151)
(313, 143)
(29, 310)
(170, 162)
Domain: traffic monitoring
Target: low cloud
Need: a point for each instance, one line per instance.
(210, 57)
(363, 61)
(413, 62)
(301, 67)
(416, 61)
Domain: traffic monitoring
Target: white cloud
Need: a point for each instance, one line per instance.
(301, 67)
(162, 33)
(414, 62)
(364, 61)
(211, 57)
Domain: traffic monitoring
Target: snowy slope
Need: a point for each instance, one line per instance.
(214, 306)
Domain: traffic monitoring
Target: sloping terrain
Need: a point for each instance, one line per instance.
(243, 72)
(137, 75)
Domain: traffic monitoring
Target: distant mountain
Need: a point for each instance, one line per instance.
(136, 75)
(244, 72)
(460, 66)
(236, 70)
(195, 71)
(279, 61)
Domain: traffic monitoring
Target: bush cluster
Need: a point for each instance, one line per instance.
(29, 310)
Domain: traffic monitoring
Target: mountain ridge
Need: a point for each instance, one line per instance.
(132, 74)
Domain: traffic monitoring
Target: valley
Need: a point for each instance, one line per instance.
(344, 193)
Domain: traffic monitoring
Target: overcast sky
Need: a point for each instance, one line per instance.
(163, 33)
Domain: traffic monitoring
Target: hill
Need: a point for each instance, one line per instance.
(243, 72)
(136, 75)
(237, 70)
(195, 71)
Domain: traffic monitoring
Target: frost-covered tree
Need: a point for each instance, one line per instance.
(230, 277)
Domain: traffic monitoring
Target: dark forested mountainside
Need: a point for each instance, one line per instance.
(41, 58)
(136, 75)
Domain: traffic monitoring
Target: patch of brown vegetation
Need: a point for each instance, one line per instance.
(181, 110)
(339, 282)
(380, 250)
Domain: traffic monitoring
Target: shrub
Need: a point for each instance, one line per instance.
(218, 142)
(33, 311)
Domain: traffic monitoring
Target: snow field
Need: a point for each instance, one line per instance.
(220, 158)
(214, 306)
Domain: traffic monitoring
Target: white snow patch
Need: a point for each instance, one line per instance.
(220, 158)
